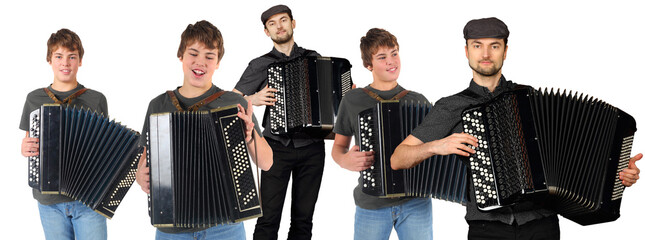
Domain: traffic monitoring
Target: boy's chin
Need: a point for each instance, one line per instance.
(199, 83)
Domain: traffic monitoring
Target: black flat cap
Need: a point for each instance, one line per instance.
(273, 11)
(485, 28)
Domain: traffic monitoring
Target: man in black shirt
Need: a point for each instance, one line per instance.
(298, 154)
(486, 46)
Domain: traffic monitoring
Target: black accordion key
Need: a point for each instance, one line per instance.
(537, 144)
(83, 155)
(201, 173)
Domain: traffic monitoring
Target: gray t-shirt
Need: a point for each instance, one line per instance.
(355, 101)
(89, 99)
(163, 103)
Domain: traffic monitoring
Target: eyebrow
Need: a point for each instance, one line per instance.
(60, 54)
(207, 53)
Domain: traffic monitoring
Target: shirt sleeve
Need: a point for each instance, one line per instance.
(256, 125)
(438, 123)
(343, 121)
(252, 79)
(24, 118)
(103, 106)
(146, 127)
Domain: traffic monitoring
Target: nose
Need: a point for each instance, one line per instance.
(486, 52)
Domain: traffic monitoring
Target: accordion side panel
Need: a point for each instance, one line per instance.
(342, 80)
(49, 149)
(391, 129)
(161, 179)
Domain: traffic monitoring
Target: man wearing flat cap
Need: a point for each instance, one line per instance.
(441, 133)
(298, 155)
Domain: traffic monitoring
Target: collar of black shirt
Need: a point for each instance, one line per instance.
(503, 86)
(294, 50)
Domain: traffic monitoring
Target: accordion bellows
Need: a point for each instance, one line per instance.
(200, 170)
(537, 144)
(83, 155)
(309, 90)
(381, 129)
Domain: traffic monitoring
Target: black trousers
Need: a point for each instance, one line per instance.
(306, 164)
(545, 228)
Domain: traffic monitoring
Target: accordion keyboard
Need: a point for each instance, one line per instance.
(34, 161)
(370, 177)
(481, 167)
(238, 158)
(278, 111)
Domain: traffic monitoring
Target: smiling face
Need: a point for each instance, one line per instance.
(199, 63)
(486, 55)
(65, 65)
(279, 28)
(386, 64)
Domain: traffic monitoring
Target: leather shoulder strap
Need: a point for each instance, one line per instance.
(174, 100)
(205, 101)
(67, 100)
(397, 97)
(372, 94)
(400, 95)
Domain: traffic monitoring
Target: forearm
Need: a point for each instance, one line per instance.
(264, 153)
(338, 153)
(408, 155)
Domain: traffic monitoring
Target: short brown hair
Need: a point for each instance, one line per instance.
(205, 33)
(373, 40)
(64, 38)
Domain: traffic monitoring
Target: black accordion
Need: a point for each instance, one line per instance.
(309, 90)
(551, 147)
(83, 155)
(200, 171)
(381, 129)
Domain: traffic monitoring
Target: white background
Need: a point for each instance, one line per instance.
(131, 57)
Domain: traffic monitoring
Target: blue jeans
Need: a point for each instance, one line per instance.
(71, 220)
(234, 231)
(411, 220)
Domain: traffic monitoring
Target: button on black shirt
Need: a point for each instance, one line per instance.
(255, 79)
(445, 119)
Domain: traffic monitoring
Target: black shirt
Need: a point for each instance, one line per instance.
(255, 79)
(445, 118)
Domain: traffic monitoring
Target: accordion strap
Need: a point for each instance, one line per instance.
(197, 105)
(398, 96)
(67, 100)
